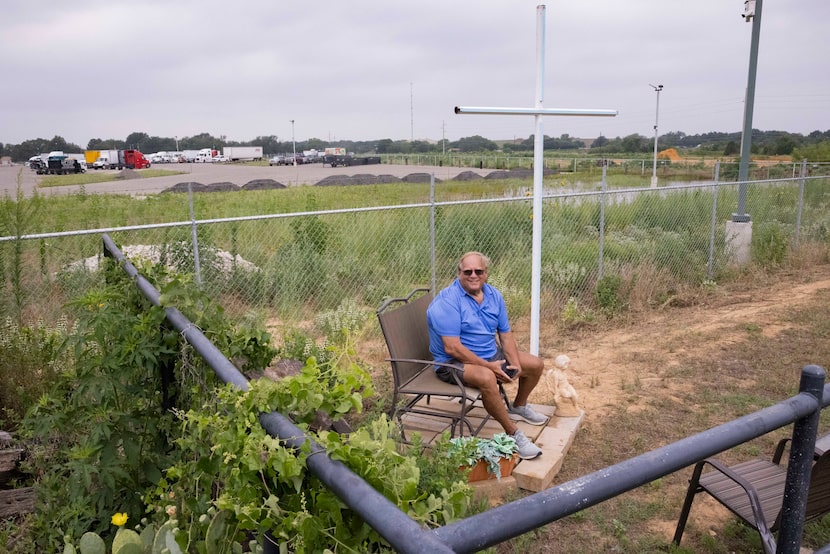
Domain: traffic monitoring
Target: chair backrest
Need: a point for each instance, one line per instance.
(818, 497)
(407, 336)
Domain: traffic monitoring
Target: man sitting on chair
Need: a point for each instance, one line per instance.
(463, 321)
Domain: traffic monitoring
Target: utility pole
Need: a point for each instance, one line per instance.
(657, 89)
(752, 13)
(293, 143)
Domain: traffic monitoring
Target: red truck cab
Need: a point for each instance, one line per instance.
(133, 159)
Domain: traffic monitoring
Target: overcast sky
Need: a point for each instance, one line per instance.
(373, 69)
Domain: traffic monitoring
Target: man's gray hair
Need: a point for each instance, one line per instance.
(484, 259)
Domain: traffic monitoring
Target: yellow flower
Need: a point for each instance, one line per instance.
(119, 519)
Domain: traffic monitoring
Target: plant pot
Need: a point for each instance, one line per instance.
(480, 473)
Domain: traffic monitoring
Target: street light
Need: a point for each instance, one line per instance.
(752, 14)
(177, 143)
(657, 89)
(293, 144)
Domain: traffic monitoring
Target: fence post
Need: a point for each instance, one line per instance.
(800, 203)
(711, 269)
(801, 461)
(602, 223)
(433, 283)
(196, 265)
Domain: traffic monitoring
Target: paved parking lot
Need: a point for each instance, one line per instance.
(214, 173)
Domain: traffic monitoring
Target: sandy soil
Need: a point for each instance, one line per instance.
(647, 351)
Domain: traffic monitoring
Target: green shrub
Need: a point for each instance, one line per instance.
(770, 244)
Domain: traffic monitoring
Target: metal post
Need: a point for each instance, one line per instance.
(433, 281)
(602, 221)
(193, 236)
(538, 185)
(800, 203)
(801, 460)
(293, 143)
(749, 104)
(711, 269)
(657, 89)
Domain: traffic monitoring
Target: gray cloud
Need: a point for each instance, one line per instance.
(378, 69)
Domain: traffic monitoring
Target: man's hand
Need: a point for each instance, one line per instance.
(506, 373)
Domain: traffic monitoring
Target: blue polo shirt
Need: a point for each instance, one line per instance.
(454, 313)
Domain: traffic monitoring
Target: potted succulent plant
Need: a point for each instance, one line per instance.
(487, 458)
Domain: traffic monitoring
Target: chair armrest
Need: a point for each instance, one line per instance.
(458, 380)
(779, 451)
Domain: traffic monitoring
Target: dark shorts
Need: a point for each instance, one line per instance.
(444, 373)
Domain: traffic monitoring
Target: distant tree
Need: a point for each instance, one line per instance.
(634, 143)
(138, 141)
(476, 143)
(599, 142)
(731, 149)
(818, 152)
(108, 144)
(383, 146)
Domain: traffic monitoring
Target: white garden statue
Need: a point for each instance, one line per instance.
(564, 395)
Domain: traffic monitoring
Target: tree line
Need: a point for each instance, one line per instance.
(770, 143)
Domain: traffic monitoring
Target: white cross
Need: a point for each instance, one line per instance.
(538, 165)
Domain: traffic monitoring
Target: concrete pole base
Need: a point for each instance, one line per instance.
(738, 242)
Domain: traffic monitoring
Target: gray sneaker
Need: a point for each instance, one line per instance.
(526, 414)
(526, 449)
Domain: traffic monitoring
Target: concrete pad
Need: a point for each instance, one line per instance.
(555, 440)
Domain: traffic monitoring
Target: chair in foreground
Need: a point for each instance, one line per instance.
(404, 325)
(754, 491)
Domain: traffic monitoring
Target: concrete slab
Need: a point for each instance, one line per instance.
(555, 440)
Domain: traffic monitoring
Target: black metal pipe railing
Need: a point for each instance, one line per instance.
(507, 521)
(503, 522)
(404, 534)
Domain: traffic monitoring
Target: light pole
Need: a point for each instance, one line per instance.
(657, 89)
(752, 13)
(177, 143)
(293, 144)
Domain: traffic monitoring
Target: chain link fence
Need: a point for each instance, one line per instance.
(602, 249)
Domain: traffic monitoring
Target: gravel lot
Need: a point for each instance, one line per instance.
(207, 174)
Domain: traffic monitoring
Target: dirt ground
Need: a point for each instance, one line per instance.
(642, 350)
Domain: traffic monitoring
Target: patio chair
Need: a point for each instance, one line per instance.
(404, 325)
(754, 491)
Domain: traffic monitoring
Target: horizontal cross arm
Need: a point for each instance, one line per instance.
(534, 111)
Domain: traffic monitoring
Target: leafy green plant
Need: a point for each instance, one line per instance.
(230, 463)
(770, 244)
(102, 435)
(491, 451)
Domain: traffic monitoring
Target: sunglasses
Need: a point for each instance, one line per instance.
(469, 272)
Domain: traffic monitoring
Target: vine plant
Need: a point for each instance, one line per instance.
(104, 442)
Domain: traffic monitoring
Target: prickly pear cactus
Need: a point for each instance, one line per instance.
(216, 541)
(165, 542)
(127, 541)
(92, 544)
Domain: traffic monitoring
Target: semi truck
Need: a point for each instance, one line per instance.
(57, 163)
(119, 159)
(243, 153)
(339, 156)
(107, 159)
(90, 156)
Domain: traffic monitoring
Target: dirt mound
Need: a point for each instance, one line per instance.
(223, 186)
(467, 176)
(419, 178)
(182, 187)
(127, 174)
(335, 180)
(669, 154)
(262, 184)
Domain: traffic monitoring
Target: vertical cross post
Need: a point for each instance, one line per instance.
(538, 165)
